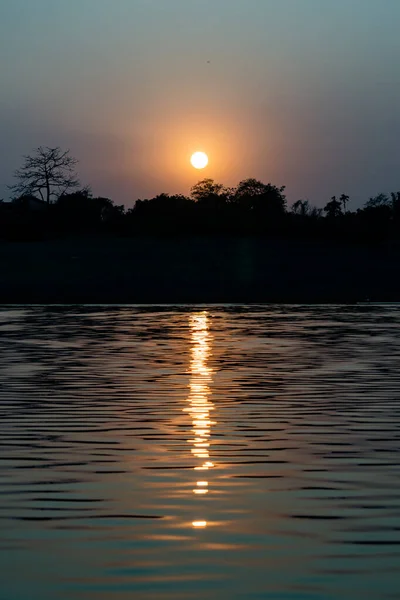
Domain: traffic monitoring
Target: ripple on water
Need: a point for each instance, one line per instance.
(192, 452)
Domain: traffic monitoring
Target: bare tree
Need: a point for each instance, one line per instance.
(50, 172)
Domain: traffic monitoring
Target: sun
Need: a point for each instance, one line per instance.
(199, 160)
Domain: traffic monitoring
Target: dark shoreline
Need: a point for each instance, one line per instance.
(203, 269)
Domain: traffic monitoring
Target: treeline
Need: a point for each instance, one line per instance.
(251, 208)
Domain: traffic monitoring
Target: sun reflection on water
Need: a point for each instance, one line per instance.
(200, 406)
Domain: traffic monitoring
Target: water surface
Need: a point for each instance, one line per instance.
(199, 452)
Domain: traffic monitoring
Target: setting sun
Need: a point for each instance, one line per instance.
(199, 160)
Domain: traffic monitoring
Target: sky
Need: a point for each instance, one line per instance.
(302, 93)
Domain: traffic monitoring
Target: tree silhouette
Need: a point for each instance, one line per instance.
(395, 201)
(207, 189)
(344, 199)
(260, 197)
(377, 201)
(301, 207)
(395, 196)
(333, 209)
(50, 172)
(162, 205)
(252, 208)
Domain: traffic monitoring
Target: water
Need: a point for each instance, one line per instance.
(199, 452)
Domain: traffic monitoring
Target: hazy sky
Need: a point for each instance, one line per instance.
(302, 93)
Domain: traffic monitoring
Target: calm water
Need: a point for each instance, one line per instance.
(219, 452)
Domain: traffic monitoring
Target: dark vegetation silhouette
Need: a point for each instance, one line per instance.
(218, 244)
(48, 203)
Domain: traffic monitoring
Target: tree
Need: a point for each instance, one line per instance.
(395, 196)
(378, 201)
(207, 189)
(334, 208)
(260, 197)
(344, 199)
(80, 211)
(50, 172)
(163, 205)
(301, 208)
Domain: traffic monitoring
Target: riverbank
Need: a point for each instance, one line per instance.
(196, 270)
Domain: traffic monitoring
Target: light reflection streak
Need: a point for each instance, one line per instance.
(199, 524)
(200, 406)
